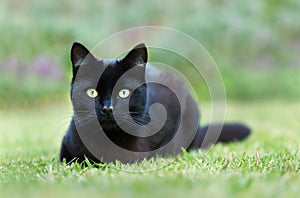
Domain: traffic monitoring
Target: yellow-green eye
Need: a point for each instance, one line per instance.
(92, 93)
(124, 93)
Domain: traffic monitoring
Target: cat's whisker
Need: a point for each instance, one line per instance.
(82, 120)
(153, 121)
(84, 111)
(141, 117)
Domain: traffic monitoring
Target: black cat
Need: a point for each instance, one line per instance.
(101, 90)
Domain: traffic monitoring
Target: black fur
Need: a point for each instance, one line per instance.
(140, 100)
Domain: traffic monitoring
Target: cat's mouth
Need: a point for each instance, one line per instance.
(106, 119)
(107, 124)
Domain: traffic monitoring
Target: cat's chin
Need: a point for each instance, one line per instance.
(108, 124)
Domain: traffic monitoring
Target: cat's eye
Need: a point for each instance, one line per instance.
(92, 93)
(124, 93)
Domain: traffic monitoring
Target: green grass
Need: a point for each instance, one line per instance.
(266, 165)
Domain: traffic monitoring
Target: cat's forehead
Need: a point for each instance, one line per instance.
(107, 62)
(112, 67)
(119, 71)
(113, 70)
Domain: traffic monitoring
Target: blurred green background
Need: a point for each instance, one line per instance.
(255, 43)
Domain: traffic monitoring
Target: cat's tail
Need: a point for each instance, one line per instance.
(210, 134)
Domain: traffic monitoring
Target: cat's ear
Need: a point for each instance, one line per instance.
(80, 55)
(138, 56)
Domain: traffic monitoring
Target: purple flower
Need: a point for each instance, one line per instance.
(47, 68)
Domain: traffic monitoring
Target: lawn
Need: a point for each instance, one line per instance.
(265, 165)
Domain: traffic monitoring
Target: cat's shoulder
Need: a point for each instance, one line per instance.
(167, 77)
(156, 74)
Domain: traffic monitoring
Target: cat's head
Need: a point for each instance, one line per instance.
(111, 87)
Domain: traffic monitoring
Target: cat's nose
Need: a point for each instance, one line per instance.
(107, 110)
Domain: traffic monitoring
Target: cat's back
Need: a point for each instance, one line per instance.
(169, 80)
